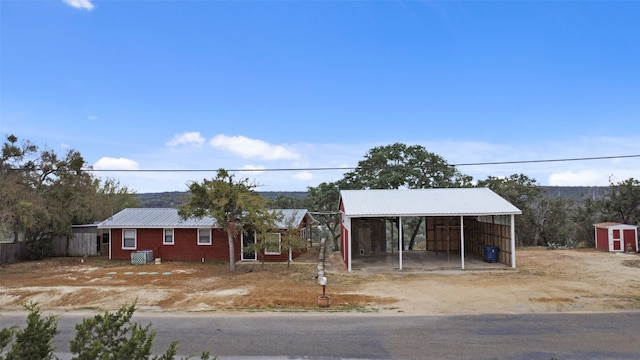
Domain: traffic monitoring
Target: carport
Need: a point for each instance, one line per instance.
(454, 222)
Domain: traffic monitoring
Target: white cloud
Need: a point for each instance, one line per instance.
(252, 148)
(188, 138)
(327, 155)
(80, 4)
(304, 176)
(254, 169)
(108, 163)
(589, 177)
(92, 117)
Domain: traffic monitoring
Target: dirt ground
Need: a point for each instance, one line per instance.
(544, 281)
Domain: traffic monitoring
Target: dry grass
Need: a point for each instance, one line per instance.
(545, 281)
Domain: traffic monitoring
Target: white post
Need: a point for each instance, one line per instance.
(347, 226)
(400, 241)
(513, 241)
(462, 240)
(109, 243)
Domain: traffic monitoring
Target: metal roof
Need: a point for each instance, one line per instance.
(425, 202)
(294, 217)
(153, 218)
(169, 218)
(606, 225)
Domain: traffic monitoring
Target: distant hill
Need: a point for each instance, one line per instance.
(171, 199)
(176, 198)
(577, 193)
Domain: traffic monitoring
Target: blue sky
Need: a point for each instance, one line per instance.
(190, 85)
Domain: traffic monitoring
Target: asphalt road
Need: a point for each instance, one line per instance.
(374, 336)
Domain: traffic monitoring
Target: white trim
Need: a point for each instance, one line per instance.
(279, 252)
(513, 241)
(347, 228)
(611, 240)
(198, 237)
(255, 253)
(135, 239)
(462, 241)
(400, 241)
(110, 244)
(164, 236)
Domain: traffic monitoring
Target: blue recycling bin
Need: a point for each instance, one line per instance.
(491, 254)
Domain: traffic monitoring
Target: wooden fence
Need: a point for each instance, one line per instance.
(81, 244)
(12, 252)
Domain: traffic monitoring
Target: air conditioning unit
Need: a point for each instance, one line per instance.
(141, 257)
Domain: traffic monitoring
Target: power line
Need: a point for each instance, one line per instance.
(357, 167)
(345, 167)
(548, 160)
(228, 170)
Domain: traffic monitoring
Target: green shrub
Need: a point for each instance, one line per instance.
(35, 340)
(107, 336)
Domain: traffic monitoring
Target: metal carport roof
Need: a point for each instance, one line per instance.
(425, 202)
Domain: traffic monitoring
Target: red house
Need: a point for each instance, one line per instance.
(164, 234)
(616, 237)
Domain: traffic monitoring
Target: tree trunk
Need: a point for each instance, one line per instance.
(332, 229)
(232, 256)
(414, 234)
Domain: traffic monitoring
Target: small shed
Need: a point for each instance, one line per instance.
(616, 237)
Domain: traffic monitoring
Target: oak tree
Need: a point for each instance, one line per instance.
(233, 203)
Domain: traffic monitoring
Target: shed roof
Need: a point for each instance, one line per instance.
(425, 202)
(606, 225)
(169, 218)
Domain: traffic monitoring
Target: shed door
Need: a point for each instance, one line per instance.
(615, 240)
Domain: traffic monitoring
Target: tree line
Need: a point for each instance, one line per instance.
(546, 219)
(42, 194)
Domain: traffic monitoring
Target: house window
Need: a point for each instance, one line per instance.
(204, 236)
(272, 244)
(303, 234)
(168, 237)
(129, 239)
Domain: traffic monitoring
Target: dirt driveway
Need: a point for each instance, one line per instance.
(545, 281)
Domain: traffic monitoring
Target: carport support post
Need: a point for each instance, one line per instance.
(462, 240)
(109, 244)
(347, 227)
(400, 241)
(513, 241)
